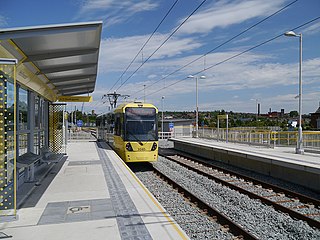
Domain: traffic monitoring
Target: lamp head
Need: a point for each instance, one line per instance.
(190, 76)
(291, 34)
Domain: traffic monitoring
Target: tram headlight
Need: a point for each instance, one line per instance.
(154, 146)
(129, 147)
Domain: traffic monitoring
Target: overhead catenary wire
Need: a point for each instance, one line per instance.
(234, 56)
(220, 45)
(181, 24)
(146, 42)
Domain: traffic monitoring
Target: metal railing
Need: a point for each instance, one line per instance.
(271, 137)
(165, 135)
(81, 135)
(311, 139)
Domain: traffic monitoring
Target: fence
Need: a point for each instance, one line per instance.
(250, 135)
(311, 139)
(83, 134)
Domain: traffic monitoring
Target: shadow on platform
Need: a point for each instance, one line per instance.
(29, 194)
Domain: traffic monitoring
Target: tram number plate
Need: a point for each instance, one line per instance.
(141, 149)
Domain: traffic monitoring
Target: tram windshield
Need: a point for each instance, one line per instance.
(141, 124)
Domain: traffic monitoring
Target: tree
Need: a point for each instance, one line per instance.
(293, 114)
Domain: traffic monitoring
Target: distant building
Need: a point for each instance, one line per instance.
(167, 123)
(315, 119)
(274, 114)
(180, 127)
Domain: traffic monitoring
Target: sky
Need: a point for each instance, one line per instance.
(268, 74)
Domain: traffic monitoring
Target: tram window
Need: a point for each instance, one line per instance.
(141, 124)
(140, 113)
(141, 130)
(117, 125)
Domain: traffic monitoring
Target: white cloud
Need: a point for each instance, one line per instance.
(225, 13)
(152, 76)
(94, 5)
(275, 102)
(116, 54)
(251, 72)
(313, 29)
(114, 11)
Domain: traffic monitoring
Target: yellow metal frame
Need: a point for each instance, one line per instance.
(14, 138)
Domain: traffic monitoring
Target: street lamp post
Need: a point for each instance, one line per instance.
(197, 110)
(144, 93)
(162, 116)
(299, 149)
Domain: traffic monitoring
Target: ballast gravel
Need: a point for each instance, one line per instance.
(195, 224)
(261, 220)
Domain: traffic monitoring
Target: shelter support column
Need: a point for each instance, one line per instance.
(8, 168)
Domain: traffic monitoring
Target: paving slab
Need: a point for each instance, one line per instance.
(93, 195)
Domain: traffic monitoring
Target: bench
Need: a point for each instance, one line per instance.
(27, 161)
(49, 157)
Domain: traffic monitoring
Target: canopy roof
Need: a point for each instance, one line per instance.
(64, 56)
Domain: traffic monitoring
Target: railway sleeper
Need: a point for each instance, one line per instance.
(298, 215)
(225, 228)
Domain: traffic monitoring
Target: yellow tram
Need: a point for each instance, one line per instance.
(132, 130)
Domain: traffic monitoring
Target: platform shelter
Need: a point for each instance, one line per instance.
(37, 66)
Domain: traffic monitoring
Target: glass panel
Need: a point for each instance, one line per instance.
(23, 143)
(36, 143)
(41, 113)
(41, 139)
(36, 113)
(23, 109)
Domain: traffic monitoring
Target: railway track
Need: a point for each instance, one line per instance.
(214, 215)
(296, 205)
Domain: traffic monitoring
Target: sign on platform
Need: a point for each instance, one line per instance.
(79, 123)
(75, 99)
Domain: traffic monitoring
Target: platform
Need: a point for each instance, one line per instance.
(94, 195)
(280, 162)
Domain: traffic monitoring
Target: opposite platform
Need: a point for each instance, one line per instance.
(93, 196)
(280, 162)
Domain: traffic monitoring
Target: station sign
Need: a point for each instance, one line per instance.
(75, 99)
(171, 126)
(79, 123)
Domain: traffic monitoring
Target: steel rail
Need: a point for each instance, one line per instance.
(292, 213)
(227, 223)
(279, 189)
